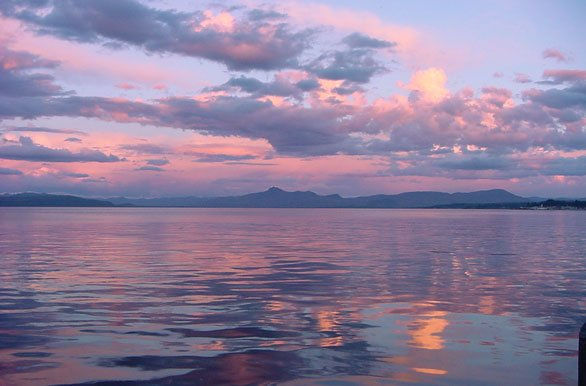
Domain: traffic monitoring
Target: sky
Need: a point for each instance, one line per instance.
(156, 98)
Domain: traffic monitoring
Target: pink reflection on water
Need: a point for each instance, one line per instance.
(242, 296)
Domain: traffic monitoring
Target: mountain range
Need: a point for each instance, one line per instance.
(278, 198)
(42, 199)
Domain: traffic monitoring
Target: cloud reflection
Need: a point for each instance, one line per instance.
(248, 296)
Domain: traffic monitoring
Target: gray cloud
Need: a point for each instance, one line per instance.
(23, 129)
(548, 119)
(290, 129)
(145, 148)
(75, 175)
(566, 166)
(150, 168)
(249, 163)
(475, 163)
(326, 129)
(20, 60)
(27, 150)
(460, 166)
(259, 39)
(358, 40)
(572, 96)
(347, 88)
(249, 85)
(15, 83)
(260, 14)
(355, 65)
(16, 80)
(307, 84)
(10, 172)
(158, 161)
(212, 158)
(101, 180)
(278, 87)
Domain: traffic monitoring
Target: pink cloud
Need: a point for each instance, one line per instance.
(522, 78)
(559, 76)
(552, 53)
(429, 83)
(222, 22)
(126, 86)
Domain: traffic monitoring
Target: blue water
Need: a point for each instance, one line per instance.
(300, 296)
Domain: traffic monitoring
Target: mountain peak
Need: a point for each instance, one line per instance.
(274, 189)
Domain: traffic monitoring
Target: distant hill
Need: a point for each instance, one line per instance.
(278, 198)
(271, 198)
(158, 202)
(547, 204)
(429, 199)
(40, 199)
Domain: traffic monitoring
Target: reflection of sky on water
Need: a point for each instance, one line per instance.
(244, 296)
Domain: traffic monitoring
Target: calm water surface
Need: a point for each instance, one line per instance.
(248, 296)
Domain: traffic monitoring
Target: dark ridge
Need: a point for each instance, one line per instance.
(41, 199)
(275, 197)
(548, 204)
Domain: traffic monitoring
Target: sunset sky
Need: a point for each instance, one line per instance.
(174, 98)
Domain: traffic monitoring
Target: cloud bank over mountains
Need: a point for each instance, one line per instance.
(288, 97)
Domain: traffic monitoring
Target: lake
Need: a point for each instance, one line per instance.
(290, 296)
